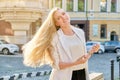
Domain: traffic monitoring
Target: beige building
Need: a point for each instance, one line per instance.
(104, 20)
(100, 19)
(20, 19)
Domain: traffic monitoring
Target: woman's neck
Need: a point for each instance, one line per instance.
(67, 30)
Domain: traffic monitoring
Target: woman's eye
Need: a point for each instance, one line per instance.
(63, 13)
(58, 18)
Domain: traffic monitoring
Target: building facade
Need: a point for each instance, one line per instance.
(20, 19)
(100, 19)
(104, 18)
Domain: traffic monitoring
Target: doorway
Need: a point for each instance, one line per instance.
(113, 36)
(82, 26)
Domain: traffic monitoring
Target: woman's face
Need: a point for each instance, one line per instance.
(61, 18)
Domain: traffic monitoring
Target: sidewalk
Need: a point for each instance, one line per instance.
(44, 75)
(25, 75)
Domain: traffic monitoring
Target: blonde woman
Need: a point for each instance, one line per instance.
(60, 45)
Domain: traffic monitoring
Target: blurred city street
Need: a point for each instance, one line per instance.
(21, 19)
(12, 64)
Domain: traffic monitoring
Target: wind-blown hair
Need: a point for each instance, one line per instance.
(38, 50)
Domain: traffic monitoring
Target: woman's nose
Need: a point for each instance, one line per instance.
(63, 17)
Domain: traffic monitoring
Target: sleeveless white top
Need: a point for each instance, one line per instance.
(75, 45)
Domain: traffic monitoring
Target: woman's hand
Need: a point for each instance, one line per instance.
(94, 49)
(82, 59)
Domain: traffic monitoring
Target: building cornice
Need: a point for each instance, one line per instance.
(22, 14)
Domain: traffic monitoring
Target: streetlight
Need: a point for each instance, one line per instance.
(87, 18)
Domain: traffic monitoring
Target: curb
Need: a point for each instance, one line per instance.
(25, 75)
(96, 76)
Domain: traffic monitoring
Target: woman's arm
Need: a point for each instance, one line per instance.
(81, 60)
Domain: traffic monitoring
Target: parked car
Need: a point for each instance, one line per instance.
(8, 48)
(112, 46)
(89, 45)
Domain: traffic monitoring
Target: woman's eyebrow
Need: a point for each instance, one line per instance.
(58, 16)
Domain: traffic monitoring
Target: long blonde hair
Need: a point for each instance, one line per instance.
(38, 51)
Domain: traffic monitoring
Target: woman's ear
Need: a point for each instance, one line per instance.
(57, 24)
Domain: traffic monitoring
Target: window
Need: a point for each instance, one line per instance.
(113, 5)
(103, 31)
(58, 3)
(69, 5)
(81, 5)
(103, 5)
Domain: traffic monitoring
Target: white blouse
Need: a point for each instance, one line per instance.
(75, 45)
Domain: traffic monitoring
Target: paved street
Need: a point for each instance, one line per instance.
(11, 64)
(101, 63)
(36, 78)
